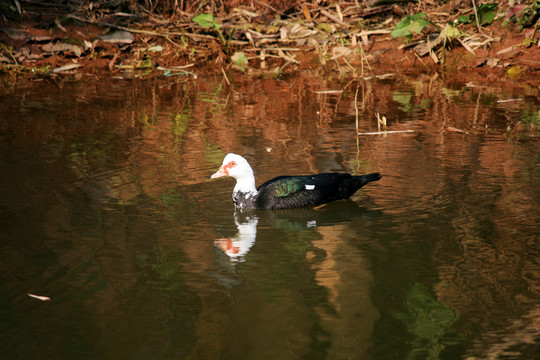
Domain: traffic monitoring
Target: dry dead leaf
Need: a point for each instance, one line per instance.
(14, 33)
(39, 297)
(339, 13)
(492, 62)
(466, 46)
(306, 13)
(62, 48)
(119, 37)
(66, 68)
(340, 51)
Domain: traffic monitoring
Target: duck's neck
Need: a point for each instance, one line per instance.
(245, 192)
(246, 184)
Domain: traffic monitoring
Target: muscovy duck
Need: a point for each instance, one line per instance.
(285, 192)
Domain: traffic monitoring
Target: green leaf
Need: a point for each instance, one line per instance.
(156, 48)
(145, 64)
(450, 33)
(527, 42)
(416, 26)
(206, 20)
(486, 13)
(325, 27)
(410, 24)
(515, 72)
(461, 20)
(240, 60)
(464, 19)
(419, 17)
(401, 28)
(403, 32)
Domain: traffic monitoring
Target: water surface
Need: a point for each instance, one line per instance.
(106, 207)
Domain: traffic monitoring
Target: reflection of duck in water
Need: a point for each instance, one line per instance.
(285, 192)
(236, 247)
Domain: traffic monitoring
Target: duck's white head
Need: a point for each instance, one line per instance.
(237, 167)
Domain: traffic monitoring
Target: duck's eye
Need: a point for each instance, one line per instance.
(232, 163)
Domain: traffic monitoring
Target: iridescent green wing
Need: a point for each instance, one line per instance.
(287, 186)
(288, 192)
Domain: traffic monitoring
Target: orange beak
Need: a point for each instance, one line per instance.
(221, 172)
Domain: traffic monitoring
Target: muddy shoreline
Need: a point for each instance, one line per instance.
(258, 43)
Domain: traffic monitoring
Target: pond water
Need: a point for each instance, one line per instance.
(106, 207)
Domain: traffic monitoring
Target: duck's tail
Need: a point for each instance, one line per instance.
(364, 179)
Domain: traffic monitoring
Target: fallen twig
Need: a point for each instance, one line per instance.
(329, 92)
(508, 100)
(176, 68)
(225, 76)
(334, 18)
(476, 18)
(451, 128)
(356, 108)
(374, 32)
(381, 120)
(67, 67)
(386, 132)
(287, 57)
(39, 297)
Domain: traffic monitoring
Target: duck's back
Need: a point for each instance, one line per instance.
(286, 192)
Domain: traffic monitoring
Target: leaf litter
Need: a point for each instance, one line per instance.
(348, 35)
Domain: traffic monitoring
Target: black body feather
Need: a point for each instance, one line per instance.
(285, 192)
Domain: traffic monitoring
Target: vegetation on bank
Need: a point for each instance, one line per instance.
(175, 36)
